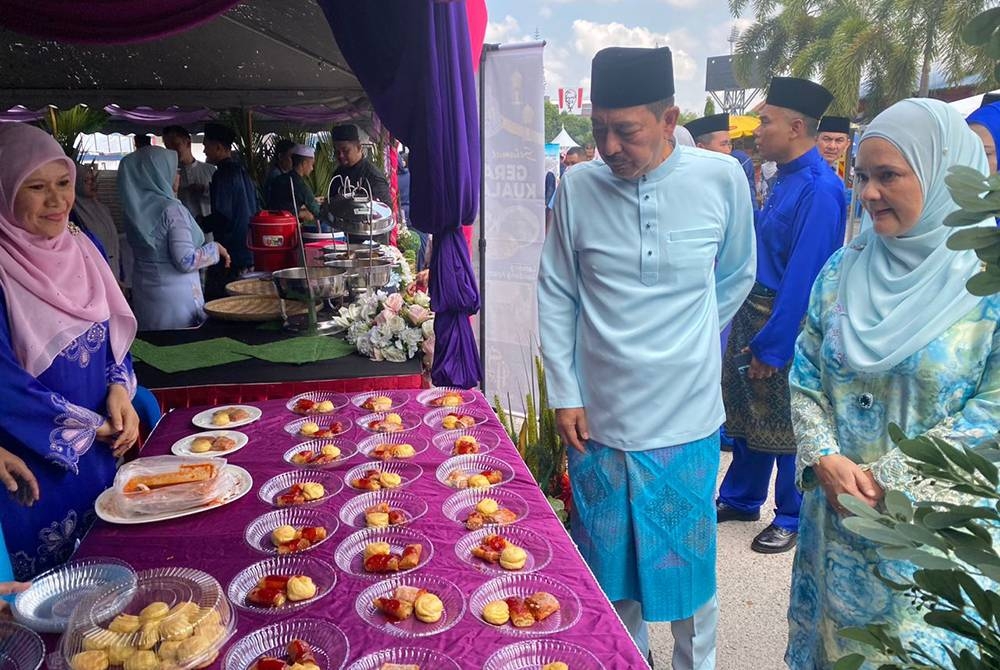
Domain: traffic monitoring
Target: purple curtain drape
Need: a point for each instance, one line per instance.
(147, 116)
(307, 114)
(413, 58)
(21, 114)
(107, 21)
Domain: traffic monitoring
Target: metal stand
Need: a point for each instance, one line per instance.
(310, 326)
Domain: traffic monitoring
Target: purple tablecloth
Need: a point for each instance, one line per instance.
(214, 542)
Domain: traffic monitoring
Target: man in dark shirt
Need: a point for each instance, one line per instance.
(281, 189)
(234, 203)
(354, 165)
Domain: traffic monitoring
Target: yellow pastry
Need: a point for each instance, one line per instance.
(381, 403)
(142, 660)
(154, 611)
(303, 666)
(313, 491)
(300, 587)
(496, 612)
(283, 534)
(449, 422)
(404, 450)
(207, 616)
(117, 655)
(192, 648)
(168, 650)
(200, 445)
(428, 608)
(377, 519)
(389, 480)
(100, 639)
(186, 609)
(451, 400)
(513, 557)
(89, 660)
(478, 482)
(376, 548)
(555, 665)
(209, 631)
(330, 451)
(149, 635)
(125, 623)
(324, 406)
(394, 418)
(487, 506)
(220, 419)
(309, 428)
(176, 627)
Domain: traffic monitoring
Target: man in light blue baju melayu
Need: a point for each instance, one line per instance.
(650, 253)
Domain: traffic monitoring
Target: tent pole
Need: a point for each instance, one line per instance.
(482, 212)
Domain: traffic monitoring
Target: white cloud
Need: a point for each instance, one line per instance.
(545, 12)
(590, 37)
(504, 31)
(682, 4)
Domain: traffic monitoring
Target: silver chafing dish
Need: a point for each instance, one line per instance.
(325, 282)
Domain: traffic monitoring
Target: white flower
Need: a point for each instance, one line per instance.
(421, 298)
(394, 354)
(396, 325)
(428, 328)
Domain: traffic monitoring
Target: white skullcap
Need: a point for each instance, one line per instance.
(303, 150)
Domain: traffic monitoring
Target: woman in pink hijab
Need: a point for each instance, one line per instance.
(64, 341)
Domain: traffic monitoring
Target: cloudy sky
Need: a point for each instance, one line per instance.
(574, 30)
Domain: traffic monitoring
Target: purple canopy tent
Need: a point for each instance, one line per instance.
(413, 58)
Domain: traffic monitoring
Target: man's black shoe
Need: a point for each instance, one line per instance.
(774, 540)
(724, 512)
(649, 659)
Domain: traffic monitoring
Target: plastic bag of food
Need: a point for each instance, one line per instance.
(165, 484)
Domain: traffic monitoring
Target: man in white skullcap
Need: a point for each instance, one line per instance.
(281, 189)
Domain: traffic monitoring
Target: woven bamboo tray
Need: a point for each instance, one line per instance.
(251, 308)
(252, 287)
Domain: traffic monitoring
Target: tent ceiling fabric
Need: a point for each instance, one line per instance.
(260, 52)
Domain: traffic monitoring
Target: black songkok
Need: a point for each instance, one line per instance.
(709, 124)
(801, 95)
(220, 133)
(627, 77)
(835, 124)
(345, 133)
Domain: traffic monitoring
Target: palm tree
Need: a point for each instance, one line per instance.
(885, 47)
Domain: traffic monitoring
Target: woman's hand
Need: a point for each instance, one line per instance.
(8, 589)
(224, 255)
(18, 479)
(838, 474)
(122, 427)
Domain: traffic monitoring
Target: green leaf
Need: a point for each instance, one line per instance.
(923, 450)
(898, 505)
(991, 571)
(976, 595)
(981, 28)
(851, 662)
(983, 284)
(858, 507)
(961, 217)
(919, 557)
(973, 238)
(921, 536)
(985, 467)
(875, 531)
(865, 636)
(940, 583)
(953, 621)
(896, 433)
(990, 254)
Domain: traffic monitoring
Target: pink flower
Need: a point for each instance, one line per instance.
(394, 302)
(384, 316)
(418, 314)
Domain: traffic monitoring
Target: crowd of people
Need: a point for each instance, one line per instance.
(655, 248)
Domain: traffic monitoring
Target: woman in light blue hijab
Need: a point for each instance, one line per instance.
(168, 245)
(891, 336)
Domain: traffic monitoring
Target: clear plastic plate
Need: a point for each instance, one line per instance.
(369, 444)
(445, 442)
(425, 658)
(533, 654)
(327, 642)
(347, 450)
(47, 605)
(20, 647)
(537, 548)
(398, 398)
(339, 401)
(324, 421)
(428, 397)
(459, 506)
(204, 419)
(353, 511)
(408, 472)
(450, 595)
(522, 586)
(473, 465)
(182, 447)
(435, 417)
(321, 572)
(350, 554)
(279, 484)
(410, 421)
(258, 533)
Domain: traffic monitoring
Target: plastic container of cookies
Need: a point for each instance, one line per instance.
(177, 617)
(20, 647)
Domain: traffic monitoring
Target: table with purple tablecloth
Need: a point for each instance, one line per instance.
(213, 541)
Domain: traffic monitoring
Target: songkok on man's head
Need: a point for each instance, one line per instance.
(304, 151)
(835, 124)
(715, 123)
(346, 133)
(626, 77)
(220, 133)
(801, 95)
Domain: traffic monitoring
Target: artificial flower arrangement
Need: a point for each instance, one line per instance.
(390, 326)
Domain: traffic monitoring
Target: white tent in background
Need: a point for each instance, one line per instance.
(967, 106)
(564, 140)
